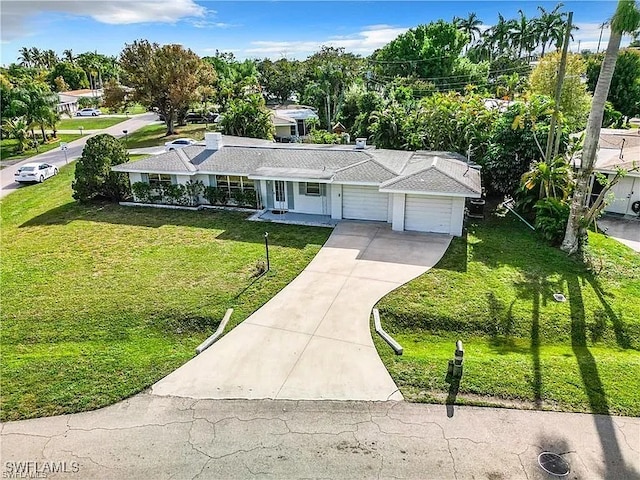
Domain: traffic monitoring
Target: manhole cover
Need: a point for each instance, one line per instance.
(554, 464)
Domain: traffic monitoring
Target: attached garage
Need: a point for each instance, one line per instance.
(364, 203)
(428, 213)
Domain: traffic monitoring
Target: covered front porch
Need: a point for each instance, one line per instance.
(294, 218)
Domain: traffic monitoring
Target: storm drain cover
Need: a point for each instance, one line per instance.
(554, 464)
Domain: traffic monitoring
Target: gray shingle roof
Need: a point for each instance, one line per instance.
(368, 171)
(175, 161)
(442, 175)
(422, 171)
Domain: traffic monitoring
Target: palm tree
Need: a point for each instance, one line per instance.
(550, 26)
(17, 129)
(470, 26)
(25, 58)
(500, 34)
(36, 57)
(551, 179)
(522, 34)
(625, 20)
(68, 56)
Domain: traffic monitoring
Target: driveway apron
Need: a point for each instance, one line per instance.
(312, 340)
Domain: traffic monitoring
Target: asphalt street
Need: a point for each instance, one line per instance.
(57, 156)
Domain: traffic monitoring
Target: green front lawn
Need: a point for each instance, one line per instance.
(493, 290)
(89, 123)
(101, 301)
(155, 134)
(8, 145)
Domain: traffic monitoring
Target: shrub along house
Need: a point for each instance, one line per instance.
(417, 191)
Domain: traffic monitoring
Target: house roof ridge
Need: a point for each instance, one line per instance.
(186, 160)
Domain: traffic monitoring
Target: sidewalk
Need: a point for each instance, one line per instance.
(168, 437)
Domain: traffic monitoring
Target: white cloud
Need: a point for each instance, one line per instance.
(363, 42)
(212, 24)
(16, 14)
(588, 35)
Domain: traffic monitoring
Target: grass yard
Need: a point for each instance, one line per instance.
(493, 290)
(89, 123)
(99, 302)
(155, 134)
(7, 147)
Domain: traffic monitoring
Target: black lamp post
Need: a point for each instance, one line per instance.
(266, 246)
(126, 137)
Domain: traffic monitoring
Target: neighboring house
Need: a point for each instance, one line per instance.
(619, 149)
(417, 191)
(292, 122)
(68, 101)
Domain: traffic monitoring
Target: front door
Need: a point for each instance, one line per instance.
(279, 195)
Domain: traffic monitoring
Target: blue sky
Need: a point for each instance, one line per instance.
(253, 29)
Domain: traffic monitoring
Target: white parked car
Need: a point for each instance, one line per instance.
(35, 172)
(88, 112)
(178, 143)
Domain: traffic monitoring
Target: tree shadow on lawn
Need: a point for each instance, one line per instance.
(614, 463)
(234, 225)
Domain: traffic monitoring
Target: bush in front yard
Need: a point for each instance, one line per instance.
(552, 216)
(94, 177)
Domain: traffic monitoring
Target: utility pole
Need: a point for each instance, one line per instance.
(560, 79)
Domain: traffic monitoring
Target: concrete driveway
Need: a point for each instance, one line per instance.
(626, 230)
(312, 340)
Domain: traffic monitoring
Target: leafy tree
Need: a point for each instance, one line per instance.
(94, 178)
(166, 77)
(72, 75)
(624, 93)
(234, 79)
(575, 101)
(248, 117)
(279, 79)
(115, 96)
(625, 20)
(326, 76)
(515, 143)
(356, 109)
(427, 51)
(59, 85)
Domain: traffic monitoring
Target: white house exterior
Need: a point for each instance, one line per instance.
(292, 123)
(619, 149)
(415, 191)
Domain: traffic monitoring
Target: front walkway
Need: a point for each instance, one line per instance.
(313, 340)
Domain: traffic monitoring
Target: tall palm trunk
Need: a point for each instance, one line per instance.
(576, 227)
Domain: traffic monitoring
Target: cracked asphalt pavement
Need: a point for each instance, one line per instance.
(151, 436)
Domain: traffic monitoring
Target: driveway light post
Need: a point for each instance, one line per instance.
(81, 129)
(266, 246)
(126, 138)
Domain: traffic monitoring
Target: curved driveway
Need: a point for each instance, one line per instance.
(313, 340)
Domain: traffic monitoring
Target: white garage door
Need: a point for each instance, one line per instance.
(364, 203)
(428, 214)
